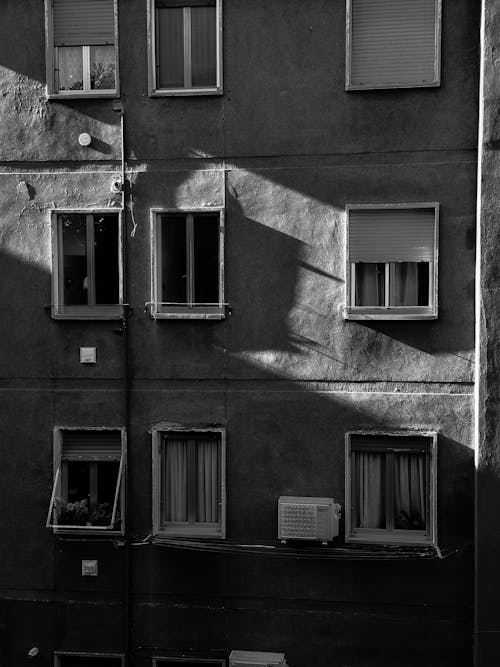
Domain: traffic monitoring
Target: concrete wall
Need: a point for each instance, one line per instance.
(284, 150)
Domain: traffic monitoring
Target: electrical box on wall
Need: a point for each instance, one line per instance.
(305, 518)
(256, 659)
(90, 568)
(88, 355)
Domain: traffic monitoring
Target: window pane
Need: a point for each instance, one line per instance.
(106, 259)
(370, 284)
(74, 239)
(206, 258)
(410, 283)
(410, 491)
(173, 259)
(175, 480)
(203, 46)
(207, 480)
(368, 489)
(107, 476)
(70, 64)
(102, 67)
(73, 510)
(170, 47)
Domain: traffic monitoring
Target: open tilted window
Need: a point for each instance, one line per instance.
(189, 482)
(87, 274)
(185, 47)
(393, 44)
(88, 494)
(188, 269)
(392, 261)
(391, 487)
(82, 58)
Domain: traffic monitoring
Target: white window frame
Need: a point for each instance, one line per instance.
(71, 654)
(51, 62)
(158, 309)
(90, 311)
(119, 502)
(437, 61)
(156, 91)
(388, 312)
(186, 530)
(384, 535)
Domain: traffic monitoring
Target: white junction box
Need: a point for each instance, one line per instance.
(88, 355)
(256, 659)
(306, 518)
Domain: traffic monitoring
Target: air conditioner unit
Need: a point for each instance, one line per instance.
(307, 519)
(256, 659)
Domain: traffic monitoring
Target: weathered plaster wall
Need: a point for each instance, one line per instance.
(284, 150)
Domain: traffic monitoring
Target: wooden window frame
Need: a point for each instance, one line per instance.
(154, 90)
(89, 311)
(385, 535)
(387, 312)
(51, 62)
(186, 530)
(349, 86)
(69, 654)
(191, 310)
(57, 485)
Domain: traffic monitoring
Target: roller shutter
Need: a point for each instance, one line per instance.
(393, 43)
(392, 235)
(88, 445)
(83, 22)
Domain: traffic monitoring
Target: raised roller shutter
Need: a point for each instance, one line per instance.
(87, 445)
(394, 43)
(83, 22)
(392, 235)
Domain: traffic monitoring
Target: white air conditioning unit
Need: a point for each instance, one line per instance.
(256, 659)
(307, 519)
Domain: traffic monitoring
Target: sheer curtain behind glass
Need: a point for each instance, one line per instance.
(410, 491)
(175, 476)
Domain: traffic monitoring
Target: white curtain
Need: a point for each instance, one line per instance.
(370, 491)
(410, 494)
(175, 475)
(207, 481)
(203, 46)
(370, 284)
(405, 284)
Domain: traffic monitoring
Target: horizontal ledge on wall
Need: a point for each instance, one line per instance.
(343, 552)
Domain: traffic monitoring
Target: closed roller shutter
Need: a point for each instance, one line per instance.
(393, 43)
(83, 22)
(87, 445)
(392, 235)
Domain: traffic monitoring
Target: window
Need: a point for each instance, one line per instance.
(393, 44)
(392, 261)
(81, 37)
(391, 488)
(185, 47)
(72, 659)
(88, 494)
(87, 265)
(189, 482)
(188, 264)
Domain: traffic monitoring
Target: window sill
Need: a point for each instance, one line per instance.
(87, 531)
(215, 314)
(391, 86)
(188, 533)
(394, 539)
(84, 94)
(88, 313)
(367, 314)
(183, 92)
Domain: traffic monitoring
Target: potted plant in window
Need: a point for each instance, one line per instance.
(71, 514)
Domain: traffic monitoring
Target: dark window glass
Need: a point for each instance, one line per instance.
(203, 46)
(370, 284)
(174, 265)
(410, 284)
(170, 47)
(88, 661)
(78, 481)
(74, 239)
(106, 259)
(206, 258)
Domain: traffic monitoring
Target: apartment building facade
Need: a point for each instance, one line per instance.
(238, 265)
